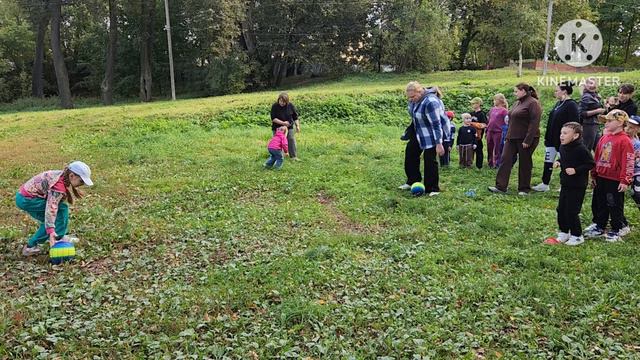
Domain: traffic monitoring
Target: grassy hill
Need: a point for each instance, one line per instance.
(188, 247)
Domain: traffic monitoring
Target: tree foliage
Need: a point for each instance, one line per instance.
(227, 46)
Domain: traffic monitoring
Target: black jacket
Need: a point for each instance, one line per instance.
(575, 155)
(629, 107)
(467, 135)
(562, 113)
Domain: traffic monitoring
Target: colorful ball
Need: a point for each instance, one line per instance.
(417, 189)
(61, 251)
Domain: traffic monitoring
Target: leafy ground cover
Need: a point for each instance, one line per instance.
(189, 249)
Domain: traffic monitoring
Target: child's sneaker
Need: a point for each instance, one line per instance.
(495, 190)
(30, 251)
(563, 237)
(612, 236)
(70, 238)
(434, 193)
(404, 187)
(523, 193)
(542, 187)
(591, 227)
(593, 231)
(574, 240)
(624, 231)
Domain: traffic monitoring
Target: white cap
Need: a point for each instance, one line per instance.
(81, 169)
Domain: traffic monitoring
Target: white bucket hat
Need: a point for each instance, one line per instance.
(81, 169)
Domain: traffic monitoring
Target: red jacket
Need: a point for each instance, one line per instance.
(614, 158)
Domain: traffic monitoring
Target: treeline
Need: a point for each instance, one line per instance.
(118, 49)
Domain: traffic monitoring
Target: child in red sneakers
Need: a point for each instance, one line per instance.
(575, 163)
(611, 176)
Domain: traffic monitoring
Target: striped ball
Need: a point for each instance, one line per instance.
(417, 189)
(61, 251)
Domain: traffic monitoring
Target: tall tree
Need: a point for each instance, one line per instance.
(40, 17)
(146, 48)
(107, 83)
(62, 76)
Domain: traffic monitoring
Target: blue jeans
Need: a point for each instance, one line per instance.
(275, 159)
(36, 207)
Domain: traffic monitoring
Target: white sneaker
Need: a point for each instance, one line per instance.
(612, 236)
(624, 231)
(575, 240)
(563, 237)
(592, 232)
(30, 251)
(435, 193)
(70, 238)
(542, 187)
(404, 187)
(522, 193)
(591, 227)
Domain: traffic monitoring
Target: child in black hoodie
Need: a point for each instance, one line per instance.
(575, 162)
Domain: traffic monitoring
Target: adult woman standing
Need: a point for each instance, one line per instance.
(284, 113)
(523, 136)
(590, 107)
(564, 111)
(429, 128)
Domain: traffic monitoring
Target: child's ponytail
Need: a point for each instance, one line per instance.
(67, 185)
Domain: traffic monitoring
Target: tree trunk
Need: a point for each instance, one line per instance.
(62, 77)
(246, 28)
(520, 60)
(606, 59)
(37, 72)
(146, 47)
(627, 44)
(464, 45)
(107, 83)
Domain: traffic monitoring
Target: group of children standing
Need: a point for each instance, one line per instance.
(614, 168)
(474, 126)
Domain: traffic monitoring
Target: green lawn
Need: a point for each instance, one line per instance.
(190, 249)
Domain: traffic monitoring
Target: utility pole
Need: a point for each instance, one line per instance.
(168, 28)
(546, 46)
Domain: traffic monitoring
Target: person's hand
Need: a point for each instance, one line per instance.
(440, 149)
(622, 187)
(286, 154)
(52, 239)
(593, 183)
(298, 129)
(475, 147)
(570, 171)
(525, 145)
(449, 148)
(602, 111)
(556, 164)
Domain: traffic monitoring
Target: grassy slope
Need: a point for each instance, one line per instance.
(190, 248)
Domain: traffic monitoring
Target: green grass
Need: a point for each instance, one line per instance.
(190, 248)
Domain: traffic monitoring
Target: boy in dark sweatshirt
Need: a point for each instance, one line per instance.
(575, 162)
(466, 141)
(611, 176)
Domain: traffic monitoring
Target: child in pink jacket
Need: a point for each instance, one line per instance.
(277, 145)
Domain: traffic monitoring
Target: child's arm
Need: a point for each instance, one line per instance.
(285, 144)
(628, 159)
(587, 165)
(50, 214)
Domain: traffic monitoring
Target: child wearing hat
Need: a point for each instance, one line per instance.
(445, 159)
(575, 163)
(611, 176)
(46, 197)
(479, 119)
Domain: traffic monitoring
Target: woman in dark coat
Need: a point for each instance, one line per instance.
(564, 111)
